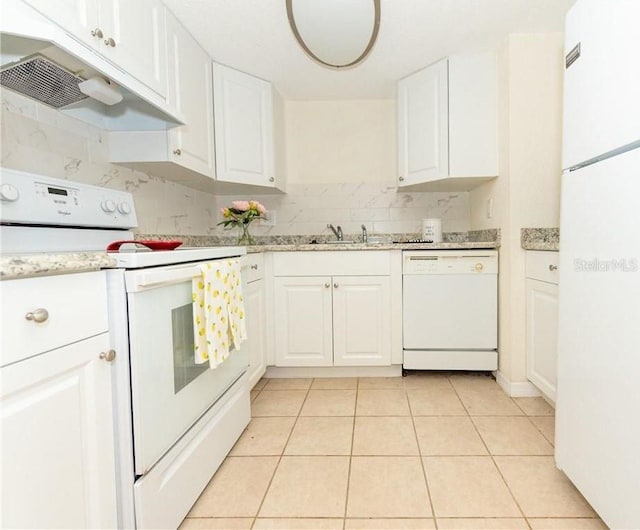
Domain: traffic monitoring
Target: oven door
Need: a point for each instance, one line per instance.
(169, 391)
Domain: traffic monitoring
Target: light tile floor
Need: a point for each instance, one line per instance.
(427, 451)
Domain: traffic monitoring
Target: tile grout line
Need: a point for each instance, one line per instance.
(492, 456)
(424, 471)
(284, 447)
(353, 436)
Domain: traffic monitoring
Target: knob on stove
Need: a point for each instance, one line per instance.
(108, 206)
(124, 208)
(9, 193)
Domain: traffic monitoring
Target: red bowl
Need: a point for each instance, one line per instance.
(152, 244)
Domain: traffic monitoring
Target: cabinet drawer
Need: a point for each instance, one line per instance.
(332, 263)
(252, 267)
(542, 265)
(76, 305)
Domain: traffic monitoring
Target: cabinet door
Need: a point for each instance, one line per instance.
(256, 340)
(542, 335)
(423, 125)
(77, 17)
(303, 335)
(57, 439)
(138, 47)
(244, 136)
(190, 91)
(362, 321)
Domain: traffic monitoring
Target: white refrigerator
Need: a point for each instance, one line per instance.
(598, 398)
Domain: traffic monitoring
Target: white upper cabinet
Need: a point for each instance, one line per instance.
(78, 17)
(184, 154)
(191, 92)
(448, 124)
(423, 125)
(244, 128)
(135, 39)
(129, 34)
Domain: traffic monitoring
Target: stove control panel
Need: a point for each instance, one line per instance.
(39, 200)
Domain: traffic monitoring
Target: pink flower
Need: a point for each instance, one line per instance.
(241, 206)
(261, 209)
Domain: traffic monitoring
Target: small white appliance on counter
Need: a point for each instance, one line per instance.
(175, 420)
(450, 309)
(598, 392)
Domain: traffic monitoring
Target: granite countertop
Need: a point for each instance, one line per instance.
(46, 264)
(540, 238)
(372, 246)
(43, 264)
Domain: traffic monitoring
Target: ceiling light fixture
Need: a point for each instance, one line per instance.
(335, 33)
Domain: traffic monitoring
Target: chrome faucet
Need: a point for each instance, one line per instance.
(364, 234)
(336, 231)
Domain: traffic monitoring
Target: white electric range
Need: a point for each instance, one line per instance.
(175, 420)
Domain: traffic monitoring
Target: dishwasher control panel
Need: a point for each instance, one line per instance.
(449, 262)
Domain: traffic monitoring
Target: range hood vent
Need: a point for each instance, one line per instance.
(43, 80)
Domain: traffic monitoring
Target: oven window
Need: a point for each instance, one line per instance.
(185, 369)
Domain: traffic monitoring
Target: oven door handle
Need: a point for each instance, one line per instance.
(152, 279)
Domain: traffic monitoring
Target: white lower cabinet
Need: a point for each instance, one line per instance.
(56, 409)
(333, 319)
(304, 322)
(542, 320)
(255, 309)
(361, 321)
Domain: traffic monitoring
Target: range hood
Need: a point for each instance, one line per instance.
(41, 61)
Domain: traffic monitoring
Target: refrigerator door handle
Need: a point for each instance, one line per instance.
(572, 56)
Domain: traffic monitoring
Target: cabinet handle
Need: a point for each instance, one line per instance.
(177, 152)
(327, 285)
(271, 179)
(39, 315)
(401, 179)
(254, 267)
(553, 268)
(110, 42)
(97, 33)
(108, 356)
(335, 286)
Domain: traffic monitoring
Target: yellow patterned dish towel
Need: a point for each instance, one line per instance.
(218, 311)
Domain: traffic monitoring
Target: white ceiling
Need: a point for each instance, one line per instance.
(254, 36)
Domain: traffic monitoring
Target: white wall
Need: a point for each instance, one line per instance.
(341, 141)
(341, 169)
(527, 192)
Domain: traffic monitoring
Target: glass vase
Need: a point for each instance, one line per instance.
(245, 238)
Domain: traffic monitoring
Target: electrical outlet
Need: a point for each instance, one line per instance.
(270, 220)
(489, 208)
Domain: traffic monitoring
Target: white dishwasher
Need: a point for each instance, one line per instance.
(450, 309)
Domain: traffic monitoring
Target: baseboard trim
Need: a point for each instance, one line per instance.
(519, 389)
(334, 371)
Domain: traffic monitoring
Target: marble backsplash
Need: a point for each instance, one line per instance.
(307, 208)
(38, 139)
